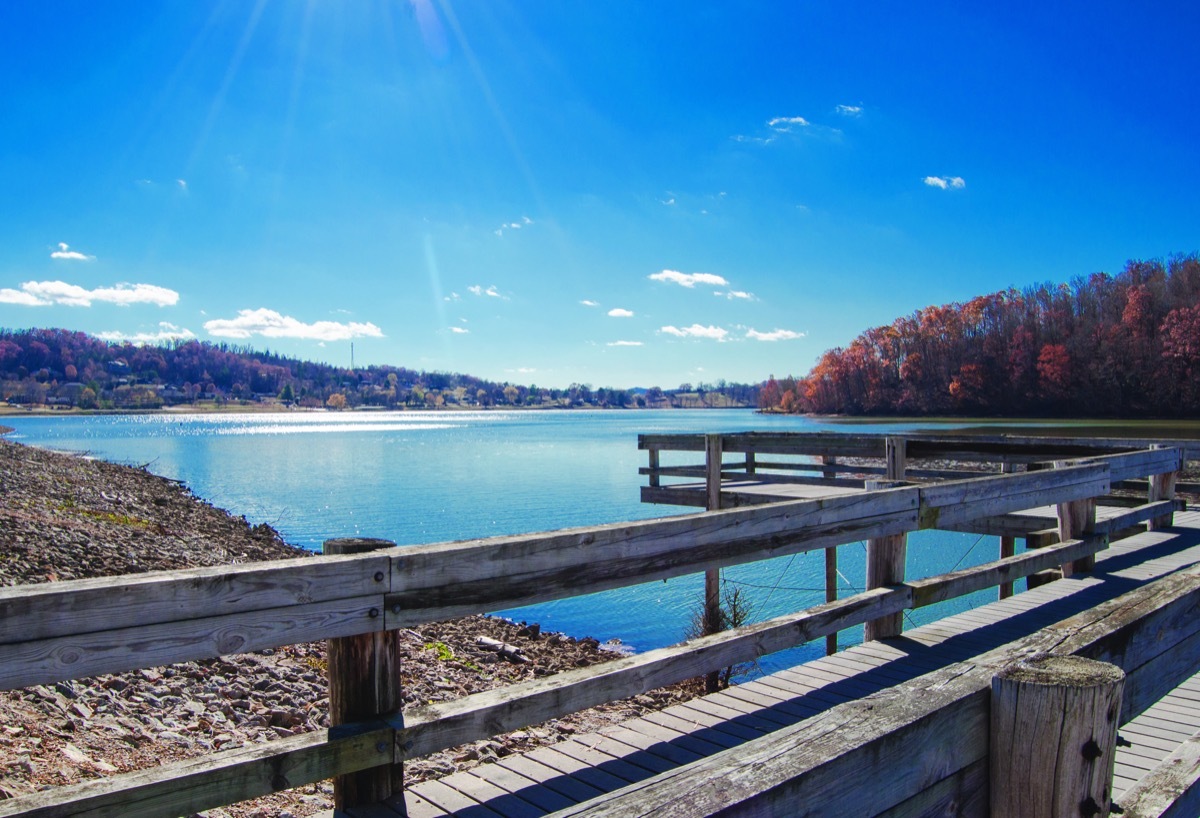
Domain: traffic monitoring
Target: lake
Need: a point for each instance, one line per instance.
(422, 477)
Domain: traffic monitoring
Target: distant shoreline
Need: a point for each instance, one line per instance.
(7, 410)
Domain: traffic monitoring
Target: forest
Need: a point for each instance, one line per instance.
(1123, 346)
(60, 368)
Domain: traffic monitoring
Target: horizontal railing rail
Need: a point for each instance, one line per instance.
(71, 629)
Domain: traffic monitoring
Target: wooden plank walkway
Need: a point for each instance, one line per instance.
(587, 766)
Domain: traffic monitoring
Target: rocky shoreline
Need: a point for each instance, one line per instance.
(69, 517)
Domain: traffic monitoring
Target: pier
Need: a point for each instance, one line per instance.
(1098, 611)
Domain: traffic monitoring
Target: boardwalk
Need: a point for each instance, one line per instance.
(899, 726)
(589, 766)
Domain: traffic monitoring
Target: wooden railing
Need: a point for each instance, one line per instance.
(65, 630)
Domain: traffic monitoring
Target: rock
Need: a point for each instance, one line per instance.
(75, 754)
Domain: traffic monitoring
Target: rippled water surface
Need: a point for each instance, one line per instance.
(420, 477)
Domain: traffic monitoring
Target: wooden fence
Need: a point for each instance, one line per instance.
(55, 631)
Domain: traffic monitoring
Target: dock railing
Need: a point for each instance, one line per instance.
(65, 630)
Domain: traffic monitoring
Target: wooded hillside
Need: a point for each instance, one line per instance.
(65, 369)
(1102, 346)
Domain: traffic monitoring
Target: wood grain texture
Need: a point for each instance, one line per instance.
(451, 579)
(1170, 790)
(214, 780)
(886, 558)
(364, 685)
(806, 769)
(1053, 737)
(44, 610)
(74, 657)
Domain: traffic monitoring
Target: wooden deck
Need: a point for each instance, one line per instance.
(588, 766)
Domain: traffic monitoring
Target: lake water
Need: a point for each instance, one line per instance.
(422, 477)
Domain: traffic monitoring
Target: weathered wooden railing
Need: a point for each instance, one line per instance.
(56, 631)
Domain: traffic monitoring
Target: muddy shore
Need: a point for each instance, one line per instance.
(66, 517)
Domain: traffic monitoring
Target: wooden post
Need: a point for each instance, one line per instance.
(750, 465)
(1162, 487)
(831, 594)
(364, 683)
(1075, 520)
(1054, 737)
(885, 566)
(1008, 545)
(712, 577)
(654, 478)
(828, 460)
(895, 457)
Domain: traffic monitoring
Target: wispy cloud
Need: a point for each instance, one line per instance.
(776, 126)
(182, 184)
(696, 331)
(460, 330)
(624, 344)
(733, 295)
(490, 292)
(271, 324)
(166, 332)
(45, 293)
(849, 110)
(946, 182)
(65, 252)
(524, 221)
(618, 312)
(774, 335)
(452, 297)
(785, 124)
(587, 302)
(789, 128)
(689, 280)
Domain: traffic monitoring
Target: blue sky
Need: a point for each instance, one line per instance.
(548, 192)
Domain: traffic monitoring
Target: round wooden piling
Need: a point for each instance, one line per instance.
(1053, 737)
(364, 683)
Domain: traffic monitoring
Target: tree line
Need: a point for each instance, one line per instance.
(64, 368)
(1100, 346)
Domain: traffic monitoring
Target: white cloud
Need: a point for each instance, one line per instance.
(774, 335)
(491, 291)
(624, 343)
(166, 332)
(270, 324)
(946, 182)
(65, 252)
(689, 280)
(668, 202)
(182, 184)
(736, 294)
(587, 302)
(24, 299)
(849, 110)
(697, 331)
(452, 297)
(618, 312)
(785, 124)
(45, 293)
(459, 330)
(514, 225)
